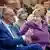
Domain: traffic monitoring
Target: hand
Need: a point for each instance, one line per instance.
(31, 39)
(29, 32)
(28, 39)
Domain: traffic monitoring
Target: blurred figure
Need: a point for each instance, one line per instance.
(11, 39)
(14, 4)
(48, 17)
(22, 3)
(47, 4)
(37, 6)
(21, 17)
(39, 11)
(28, 9)
(48, 21)
(36, 28)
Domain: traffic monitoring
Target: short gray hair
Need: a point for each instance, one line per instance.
(7, 10)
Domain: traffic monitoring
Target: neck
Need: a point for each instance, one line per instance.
(37, 22)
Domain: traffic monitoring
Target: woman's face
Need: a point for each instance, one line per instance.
(34, 18)
(38, 13)
(37, 18)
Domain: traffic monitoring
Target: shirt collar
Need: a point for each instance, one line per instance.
(5, 23)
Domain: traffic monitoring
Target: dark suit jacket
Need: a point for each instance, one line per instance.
(6, 40)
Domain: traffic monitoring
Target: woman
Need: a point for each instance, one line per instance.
(36, 29)
(48, 21)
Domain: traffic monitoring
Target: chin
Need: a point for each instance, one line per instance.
(12, 22)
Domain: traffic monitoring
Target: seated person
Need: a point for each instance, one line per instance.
(21, 17)
(36, 28)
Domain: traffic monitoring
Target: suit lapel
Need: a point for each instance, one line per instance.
(6, 30)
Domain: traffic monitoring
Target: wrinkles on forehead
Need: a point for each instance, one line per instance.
(8, 11)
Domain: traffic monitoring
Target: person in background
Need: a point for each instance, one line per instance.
(36, 28)
(22, 3)
(10, 41)
(37, 6)
(47, 4)
(14, 4)
(48, 21)
(41, 12)
(21, 16)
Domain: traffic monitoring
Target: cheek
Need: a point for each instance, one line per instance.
(7, 17)
(11, 18)
(39, 19)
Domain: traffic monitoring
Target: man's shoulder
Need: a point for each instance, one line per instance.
(1, 25)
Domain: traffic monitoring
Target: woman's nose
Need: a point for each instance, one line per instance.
(34, 18)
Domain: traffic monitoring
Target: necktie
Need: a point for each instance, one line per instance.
(13, 33)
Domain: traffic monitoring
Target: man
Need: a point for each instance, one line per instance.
(7, 39)
(13, 4)
(8, 34)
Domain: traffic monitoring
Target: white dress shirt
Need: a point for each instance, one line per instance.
(7, 26)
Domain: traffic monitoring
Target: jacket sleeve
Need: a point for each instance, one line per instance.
(28, 25)
(24, 29)
(5, 40)
(12, 42)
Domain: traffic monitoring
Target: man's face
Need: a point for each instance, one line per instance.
(46, 5)
(13, 3)
(9, 16)
(42, 11)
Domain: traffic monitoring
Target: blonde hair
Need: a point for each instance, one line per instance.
(30, 17)
(37, 6)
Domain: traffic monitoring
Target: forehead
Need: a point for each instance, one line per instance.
(11, 1)
(8, 11)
